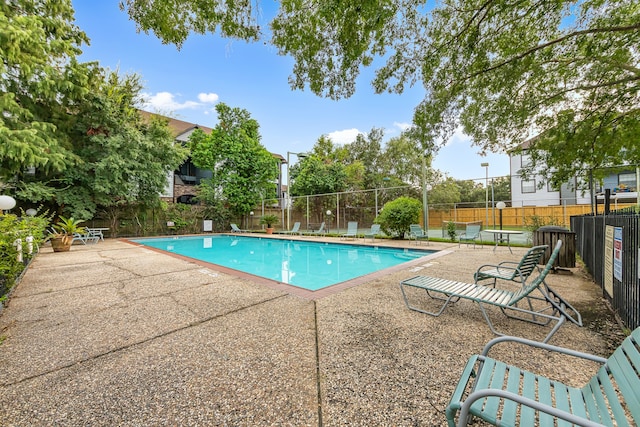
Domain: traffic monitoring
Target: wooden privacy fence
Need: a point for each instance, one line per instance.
(515, 217)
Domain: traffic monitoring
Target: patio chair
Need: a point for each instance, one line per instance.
(85, 238)
(470, 235)
(352, 230)
(512, 271)
(235, 229)
(319, 232)
(375, 230)
(549, 306)
(417, 233)
(294, 230)
(507, 395)
(96, 232)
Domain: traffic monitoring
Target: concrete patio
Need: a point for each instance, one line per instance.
(117, 334)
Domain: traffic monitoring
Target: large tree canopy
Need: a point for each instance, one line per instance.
(39, 81)
(503, 70)
(244, 172)
(71, 137)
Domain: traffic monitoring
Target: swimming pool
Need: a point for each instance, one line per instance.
(305, 264)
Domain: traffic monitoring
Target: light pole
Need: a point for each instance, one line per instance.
(500, 206)
(425, 205)
(485, 165)
(288, 199)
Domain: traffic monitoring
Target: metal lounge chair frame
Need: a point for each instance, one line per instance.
(375, 230)
(319, 232)
(352, 230)
(417, 233)
(294, 230)
(512, 271)
(471, 235)
(554, 307)
(235, 229)
(506, 395)
(85, 238)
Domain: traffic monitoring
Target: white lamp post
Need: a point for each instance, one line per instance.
(485, 165)
(500, 206)
(288, 200)
(6, 203)
(329, 215)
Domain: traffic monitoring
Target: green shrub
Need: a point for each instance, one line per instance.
(452, 231)
(397, 215)
(11, 229)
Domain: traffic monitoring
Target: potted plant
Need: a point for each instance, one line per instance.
(269, 220)
(63, 231)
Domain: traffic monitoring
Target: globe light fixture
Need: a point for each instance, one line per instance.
(7, 203)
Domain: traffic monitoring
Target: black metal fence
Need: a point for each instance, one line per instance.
(612, 255)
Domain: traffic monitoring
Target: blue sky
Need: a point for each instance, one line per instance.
(187, 83)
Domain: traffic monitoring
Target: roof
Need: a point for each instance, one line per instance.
(178, 127)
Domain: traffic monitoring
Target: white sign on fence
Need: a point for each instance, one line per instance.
(608, 260)
(617, 253)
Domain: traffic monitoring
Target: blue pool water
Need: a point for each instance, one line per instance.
(309, 265)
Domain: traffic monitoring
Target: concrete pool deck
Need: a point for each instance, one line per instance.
(117, 334)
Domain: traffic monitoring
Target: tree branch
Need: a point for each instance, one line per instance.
(554, 42)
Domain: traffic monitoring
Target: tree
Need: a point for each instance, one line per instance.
(503, 71)
(71, 137)
(40, 81)
(322, 172)
(367, 149)
(444, 194)
(119, 159)
(402, 161)
(502, 189)
(125, 159)
(244, 172)
(471, 191)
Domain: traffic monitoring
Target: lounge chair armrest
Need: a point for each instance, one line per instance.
(503, 394)
(498, 267)
(543, 346)
(507, 262)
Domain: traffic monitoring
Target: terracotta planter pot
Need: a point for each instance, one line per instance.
(270, 230)
(61, 244)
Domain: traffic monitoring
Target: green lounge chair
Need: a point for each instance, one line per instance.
(294, 230)
(417, 233)
(352, 230)
(511, 271)
(319, 232)
(235, 229)
(375, 230)
(549, 306)
(470, 235)
(506, 395)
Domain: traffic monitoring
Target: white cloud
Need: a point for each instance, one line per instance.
(165, 101)
(459, 137)
(345, 136)
(209, 98)
(402, 126)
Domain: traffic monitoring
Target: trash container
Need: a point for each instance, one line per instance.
(549, 235)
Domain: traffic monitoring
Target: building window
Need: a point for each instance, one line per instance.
(551, 188)
(627, 181)
(525, 159)
(529, 186)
